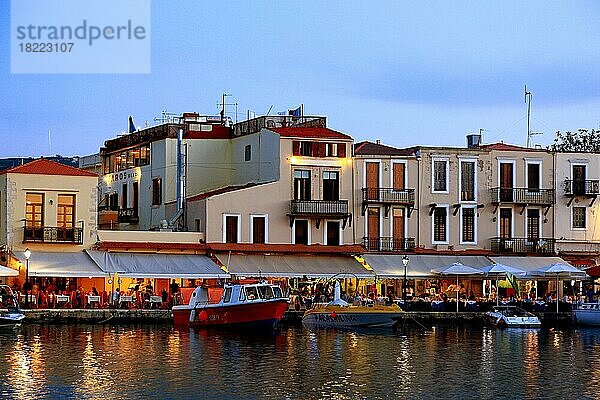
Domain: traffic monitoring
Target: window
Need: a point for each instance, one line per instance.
(467, 180)
(231, 228)
(124, 196)
(156, 192)
(533, 224)
(331, 185)
(533, 177)
(197, 225)
(227, 295)
(34, 216)
(579, 217)
(440, 175)
(579, 175)
(305, 149)
(251, 293)
(258, 229)
(331, 149)
(301, 185)
(65, 216)
(439, 224)
(113, 201)
(468, 225)
(505, 223)
(332, 237)
(248, 153)
(301, 232)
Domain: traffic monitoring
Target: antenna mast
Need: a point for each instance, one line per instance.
(528, 97)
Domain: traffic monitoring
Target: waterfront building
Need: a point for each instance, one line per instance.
(50, 209)
(577, 209)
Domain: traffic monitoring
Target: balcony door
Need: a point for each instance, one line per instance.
(372, 180)
(373, 228)
(34, 216)
(579, 175)
(301, 185)
(398, 226)
(331, 185)
(65, 217)
(399, 170)
(506, 182)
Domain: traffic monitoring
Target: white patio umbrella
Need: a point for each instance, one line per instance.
(457, 269)
(501, 269)
(562, 270)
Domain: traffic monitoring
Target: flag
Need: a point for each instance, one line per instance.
(513, 282)
(131, 125)
(280, 112)
(296, 112)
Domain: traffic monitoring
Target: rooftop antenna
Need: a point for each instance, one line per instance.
(223, 104)
(528, 97)
(481, 130)
(165, 117)
(270, 108)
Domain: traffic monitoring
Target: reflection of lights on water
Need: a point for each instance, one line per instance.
(94, 377)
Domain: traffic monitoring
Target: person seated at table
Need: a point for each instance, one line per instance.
(472, 296)
(165, 298)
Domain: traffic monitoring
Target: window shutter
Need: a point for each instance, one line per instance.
(321, 149)
(342, 150)
(296, 148)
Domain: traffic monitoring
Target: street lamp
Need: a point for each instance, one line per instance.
(27, 254)
(405, 263)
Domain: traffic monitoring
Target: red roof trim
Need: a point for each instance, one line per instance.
(310, 132)
(107, 246)
(42, 166)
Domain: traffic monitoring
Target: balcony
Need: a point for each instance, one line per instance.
(389, 244)
(52, 234)
(542, 197)
(541, 246)
(588, 188)
(388, 196)
(319, 208)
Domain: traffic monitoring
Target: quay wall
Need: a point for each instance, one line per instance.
(290, 317)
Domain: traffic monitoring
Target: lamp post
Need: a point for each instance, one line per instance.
(405, 263)
(27, 254)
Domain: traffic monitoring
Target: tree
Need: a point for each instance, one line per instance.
(583, 141)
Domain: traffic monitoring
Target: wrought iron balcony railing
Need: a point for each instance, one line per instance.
(388, 196)
(388, 244)
(523, 196)
(128, 215)
(319, 208)
(53, 234)
(589, 187)
(542, 246)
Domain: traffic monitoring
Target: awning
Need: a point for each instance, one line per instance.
(293, 266)
(419, 266)
(4, 271)
(63, 265)
(143, 265)
(528, 264)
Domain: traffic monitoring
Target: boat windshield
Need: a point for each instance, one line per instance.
(7, 300)
(513, 312)
(266, 292)
(277, 292)
(251, 293)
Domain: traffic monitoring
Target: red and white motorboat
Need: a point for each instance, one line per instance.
(259, 305)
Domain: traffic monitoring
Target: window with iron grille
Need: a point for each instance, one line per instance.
(579, 217)
(467, 180)
(439, 176)
(468, 225)
(439, 224)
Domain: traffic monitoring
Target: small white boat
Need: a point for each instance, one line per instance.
(512, 317)
(10, 313)
(587, 314)
(340, 314)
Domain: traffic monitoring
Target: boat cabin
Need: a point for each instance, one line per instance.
(237, 294)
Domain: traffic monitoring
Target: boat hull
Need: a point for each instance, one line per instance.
(589, 317)
(11, 318)
(264, 314)
(501, 321)
(352, 317)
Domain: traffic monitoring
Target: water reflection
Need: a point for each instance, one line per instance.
(130, 362)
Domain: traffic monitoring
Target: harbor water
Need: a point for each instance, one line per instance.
(102, 361)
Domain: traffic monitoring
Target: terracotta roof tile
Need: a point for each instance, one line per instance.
(41, 166)
(311, 132)
(375, 149)
(509, 147)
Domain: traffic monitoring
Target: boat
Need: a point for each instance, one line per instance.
(512, 317)
(259, 305)
(587, 314)
(10, 313)
(339, 314)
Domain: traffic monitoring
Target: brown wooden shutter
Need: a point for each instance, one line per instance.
(398, 176)
(296, 148)
(321, 149)
(342, 150)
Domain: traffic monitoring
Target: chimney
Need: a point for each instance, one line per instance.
(378, 141)
(473, 140)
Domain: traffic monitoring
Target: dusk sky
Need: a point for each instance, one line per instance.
(407, 73)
